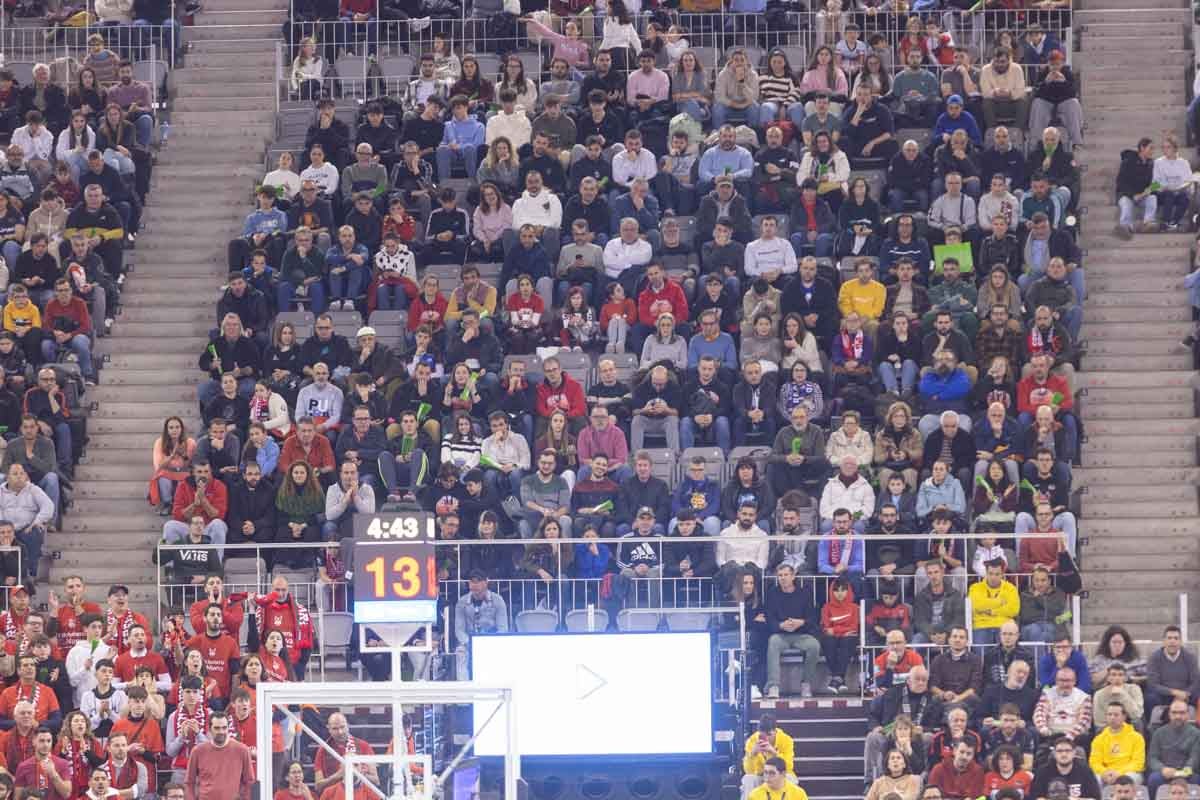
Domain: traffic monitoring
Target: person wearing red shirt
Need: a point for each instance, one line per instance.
(45, 704)
(232, 609)
(140, 655)
(429, 308)
(69, 326)
(1041, 387)
(67, 614)
(44, 771)
(221, 652)
(34, 627)
(243, 725)
(12, 622)
(893, 664)
(661, 295)
(958, 774)
(326, 769)
(219, 768)
(307, 445)
(16, 745)
(275, 666)
(560, 392)
(200, 495)
(120, 618)
(293, 774)
(280, 611)
(143, 735)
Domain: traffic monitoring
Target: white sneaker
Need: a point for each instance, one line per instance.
(755, 693)
(805, 690)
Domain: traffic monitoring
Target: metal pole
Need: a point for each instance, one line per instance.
(1183, 616)
(970, 622)
(512, 764)
(1075, 624)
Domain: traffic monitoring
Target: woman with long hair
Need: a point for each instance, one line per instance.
(116, 138)
(1007, 772)
(689, 87)
(875, 75)
(825, 163)
(283, 366)
(463, 393)
(295, 788)
(547, 559)
(618, 314)
(274, 658)
(800, 390)
(526, 312)
(665, 346)
(492, 217)
(300, 503)
(620, 36)
(172, 458)
(577, 325)
(461, 446)
(558, 439)
(742, 589)
(779, 92)
(512, 76)
(446, 66)
(79, 747)
(308, 69)
(897, 356)
(269, 409)
(569, 45)
(858, 205)
(1116, 645)
(899, 446)
(478, 90)
(193, 665)
(501, 168)
(897, 778)
(74, 143)
(251, 674)
(824, 76)
(995, 499)
(88, 96)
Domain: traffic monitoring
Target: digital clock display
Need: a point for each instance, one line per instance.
(395, 568)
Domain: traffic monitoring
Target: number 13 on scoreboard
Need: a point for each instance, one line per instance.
(395, 568)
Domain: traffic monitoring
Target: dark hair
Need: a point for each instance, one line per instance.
(1104, 649)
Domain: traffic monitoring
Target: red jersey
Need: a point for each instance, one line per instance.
(274, 667)
(70, 630)
(217, 652)
(148, 734)
(325, 764)
(289, 618)
(41, 695)
(232, 613)
(29, 775)
(15, 748)
(127, 664)
(118, 627)
(11, 624)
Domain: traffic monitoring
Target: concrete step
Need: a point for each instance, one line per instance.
(1099, 457)
(254, 86)
(254, 121)
(1149, 510)
(142, 595)
(216, 44)
(1133, 396)
(202, 58)
(1179, 427)
(1097, 43)
(1093, 413)
(1130, 14)
(122, 360)
(1165, 574)
(104, 489)
(115, 442)
(249, 101)
(1097, 478)
(225, 31)
(1119, 492)
(1132, 345)
(1165, 59)
(1150, 330)
(1105, 240)
(163, 259)
(142, 426)
(1139, 363)
(113, 457)
(1154, 380)
(1123, 547)
(259, 131)
(168, 392)
(1096, 30)
(259, 16)
(1126, 526)
(164, 330)
(1094, 89)
(1122, 314)
(152, 410)
(1134, 441)
(144, 312)
(130, 542)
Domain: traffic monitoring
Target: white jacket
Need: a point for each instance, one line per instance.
(515, 127)
(625, 169)
(744, 547)
(403, 263)
(63, 149)
(82, 678)
(543, 209)
(1172, 173)
(277, 415)
(619, 256)
(39, 146)
(857, 497)
(838, 169)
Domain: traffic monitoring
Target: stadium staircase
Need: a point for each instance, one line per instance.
(222, 114)
(1139, 460)
(829, 736)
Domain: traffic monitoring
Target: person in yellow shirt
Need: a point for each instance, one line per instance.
(471, 293)
(994, 601)
(766, 743)
(22, 318)
(777, 783)
(864, 295)
(1118, 750)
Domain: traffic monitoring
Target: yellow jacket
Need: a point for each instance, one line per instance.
(454, 311)
(1004, 604)
(29, 314)
(753, 762)
(789, 792)
(866, 300)
(1123, 752)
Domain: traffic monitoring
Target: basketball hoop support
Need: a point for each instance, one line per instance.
(270, 694)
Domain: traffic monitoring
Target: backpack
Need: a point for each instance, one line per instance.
(688, 125)
(744, 135)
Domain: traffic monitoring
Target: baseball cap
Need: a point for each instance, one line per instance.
(889, 588)
(954, 99)
(473, 476)
(477, 575)
(645, 511)
(117, 588)
(365, 330)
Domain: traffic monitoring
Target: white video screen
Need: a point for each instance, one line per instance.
(597, 694)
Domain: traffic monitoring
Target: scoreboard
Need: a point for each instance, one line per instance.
(395, 568)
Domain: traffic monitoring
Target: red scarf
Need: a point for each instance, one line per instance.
(119, 628)
(76, 757)
(200, 715)
(12, 624)
(854, 345)
(126, 777)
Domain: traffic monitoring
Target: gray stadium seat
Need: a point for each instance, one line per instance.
(714, 466)
(577, 365)
(302, 321)
(697, 621)
(346, 323)
(635, 619)
(663, 461)
(626, 364)
(351, 75)
(390, 326)
(577, 620)
(537, 620)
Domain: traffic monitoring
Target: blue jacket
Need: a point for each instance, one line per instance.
(949, 494)
(940, 394)
(336, 257)
(723, 350)
(946, 125)
(469, 131)
(682, 498)
(1076, 661)
(591, 566)
(273, 221)
(857, 556)
(986, 439)
(647, 218)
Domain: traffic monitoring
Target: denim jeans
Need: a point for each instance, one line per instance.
(898, 198)
(688, 430)
(468, 154)
(900, 379)
(721, 114)
(1148, 205)
(390, 298)
(1174, 205)
(350, 284)
(822, 247)
(80, 345)
(285, 293)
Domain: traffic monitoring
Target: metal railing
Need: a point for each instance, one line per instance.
(65, 48)
(562, 592)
